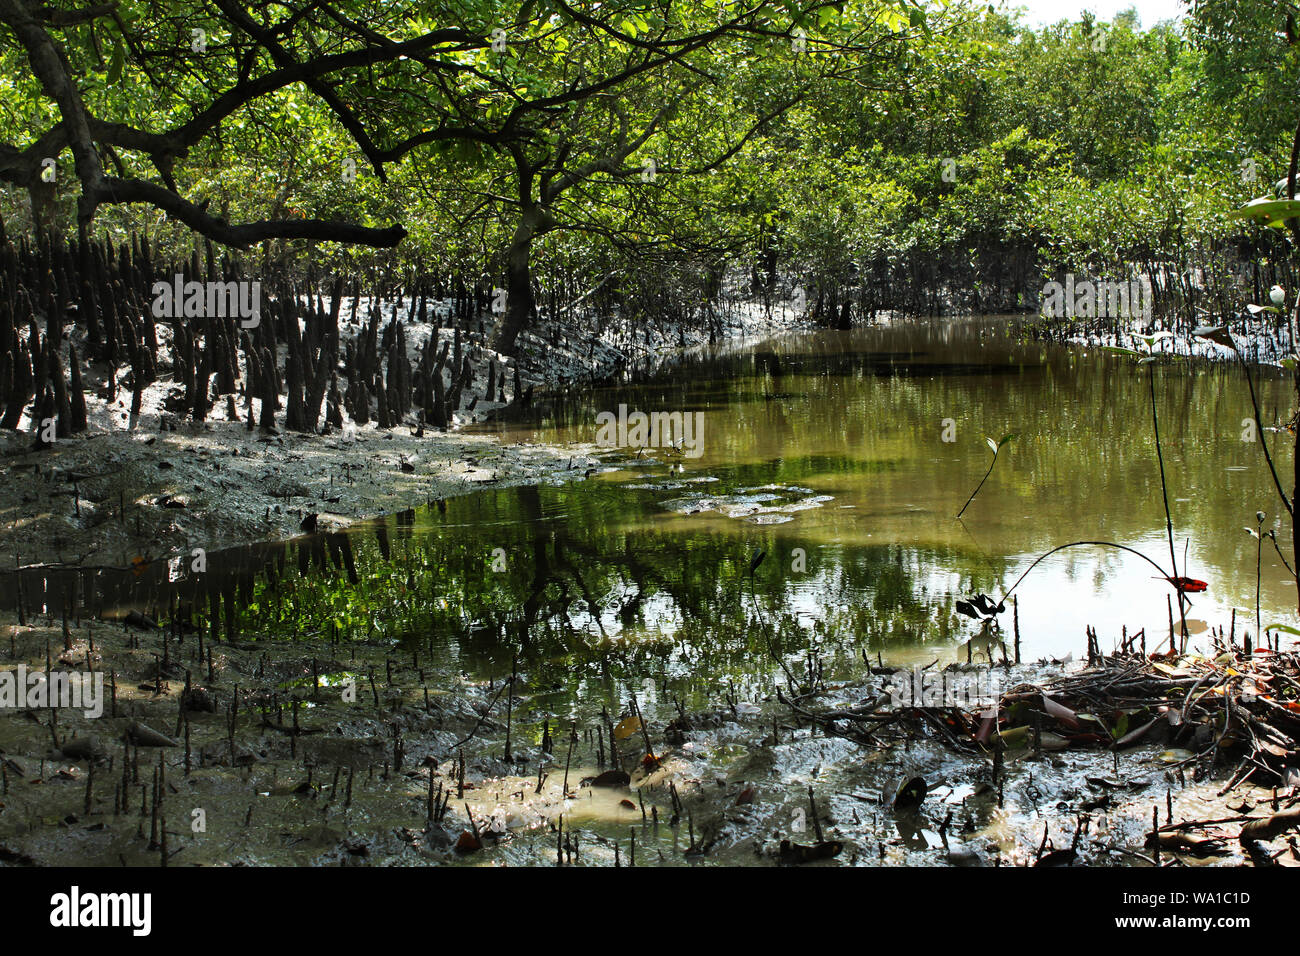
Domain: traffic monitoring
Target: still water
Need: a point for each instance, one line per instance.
(843, 457)
(840, 437)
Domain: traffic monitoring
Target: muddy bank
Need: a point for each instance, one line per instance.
(325, 753)
(111, 498)
(141, 483)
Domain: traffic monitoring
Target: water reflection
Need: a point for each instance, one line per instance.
(861, 417)
(825, 453)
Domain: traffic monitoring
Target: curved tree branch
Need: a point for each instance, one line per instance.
(138, 190)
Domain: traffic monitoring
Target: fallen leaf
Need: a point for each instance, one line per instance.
(1176, 842)
(626, 727)
(1015, 737)
(1133, 736)
(1269, 827)
(1059, 712)
(911, 794)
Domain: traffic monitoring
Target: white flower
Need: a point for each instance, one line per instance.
(1277, 295)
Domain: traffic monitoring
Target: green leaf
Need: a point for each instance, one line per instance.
(1286, 628)
(1216, 334)
(1006, 438)
(1121, 351)
(1267, 212)
(116, 63)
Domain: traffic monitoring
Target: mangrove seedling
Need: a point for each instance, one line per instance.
(1181, 584)
(997, 447)
(1178, 583)
(1258, 534)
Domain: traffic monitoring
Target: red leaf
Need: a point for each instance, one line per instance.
(1190, 585)
(1060, 712)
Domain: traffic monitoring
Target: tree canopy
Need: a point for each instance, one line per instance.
(872, 153)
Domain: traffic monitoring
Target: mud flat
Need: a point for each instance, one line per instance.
(134, 487)
(107, 499)
(310, 752)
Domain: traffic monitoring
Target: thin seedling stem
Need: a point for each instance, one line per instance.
(979, 486)
(1164, 494)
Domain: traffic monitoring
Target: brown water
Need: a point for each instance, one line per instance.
(827, 452)
(859, 419)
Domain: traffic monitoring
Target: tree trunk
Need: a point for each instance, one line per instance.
(44, 212)
(519, 289)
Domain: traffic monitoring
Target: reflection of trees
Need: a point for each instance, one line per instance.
(595, 577)
(591, 574)
(530, 508)
(572, 585)
(591, 566)
(869, 403)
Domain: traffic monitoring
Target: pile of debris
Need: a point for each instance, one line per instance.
(1235, 716)
(1238, 707)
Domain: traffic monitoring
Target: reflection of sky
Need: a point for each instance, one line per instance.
(1105, 588)
(1110, 590)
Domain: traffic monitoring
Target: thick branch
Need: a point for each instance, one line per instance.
(70, 18)
(327, 230)
(51, 69)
